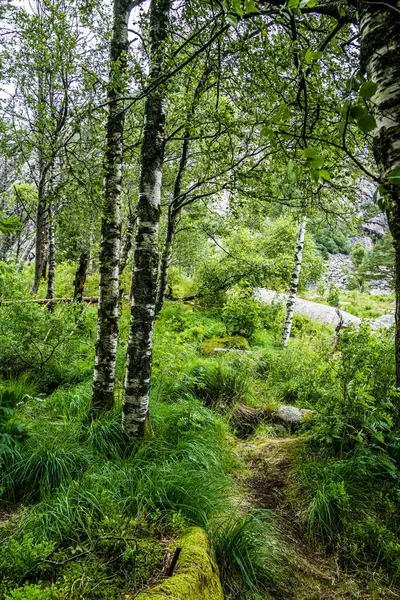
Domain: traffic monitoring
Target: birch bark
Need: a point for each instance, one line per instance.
(80, 276)
(140, 343)
(380, 59)
(51, 273)
(173, 217)
(107, 326)
(294, 284)
(40, 233)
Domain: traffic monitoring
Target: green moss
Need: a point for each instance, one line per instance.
(196, 577)
(116, 565)
(235, 342)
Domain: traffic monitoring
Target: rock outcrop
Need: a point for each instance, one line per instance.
(321, 312)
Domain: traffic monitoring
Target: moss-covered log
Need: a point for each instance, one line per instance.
(196, 576)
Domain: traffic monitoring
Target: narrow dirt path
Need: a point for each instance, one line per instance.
(269, 484)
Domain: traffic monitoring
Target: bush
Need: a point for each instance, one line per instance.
(31, 592)
(22, 556)
(333, 298)
(53, 345)
(12, 429)
(241, 313)
(358, 408)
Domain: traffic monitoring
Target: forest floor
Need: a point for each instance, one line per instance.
(269, 484)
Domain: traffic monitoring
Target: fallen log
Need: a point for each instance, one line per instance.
(88, 299)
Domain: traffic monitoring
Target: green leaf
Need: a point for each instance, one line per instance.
(291, 171)
(318, 162)
(325, 175)
(394, 176)
(237, 7)
(250, 7)
(232, 20)
(266, 131)
(358, 111)
(310, 153)
(342, 11)
(368, 89)
(308, 57)
(366, 123)
(293, 3)
(315, 174)
(312, 55)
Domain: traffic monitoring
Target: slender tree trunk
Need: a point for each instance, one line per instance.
(51, 273)
(174, 210)
(294, 284)
(127, 245)
(40, 233)
(380, 59)
(140, 343)
(107, 329)
(80, 276)
(90, 253)
(166, 257)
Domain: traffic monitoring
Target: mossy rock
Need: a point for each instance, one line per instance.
(196, 576)
(233, 342)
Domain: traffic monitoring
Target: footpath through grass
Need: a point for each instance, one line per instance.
(94, 515)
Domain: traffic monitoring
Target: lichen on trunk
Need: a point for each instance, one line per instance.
(140, 342)
(380, 60)
(294, 284)
(107, 330)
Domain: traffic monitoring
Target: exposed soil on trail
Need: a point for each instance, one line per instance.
(270, 484)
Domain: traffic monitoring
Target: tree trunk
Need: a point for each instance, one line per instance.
(294, 284)
(90, 254)
(166, 257)
(51, 273)
(380, 59)
(140, 343)
(107, 328)
(175, 206)
(127, 245)
(40, 233)
(80, 276)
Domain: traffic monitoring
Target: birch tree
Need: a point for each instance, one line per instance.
(140, 342)
(107, 328)
(380, 59)
(294, 284)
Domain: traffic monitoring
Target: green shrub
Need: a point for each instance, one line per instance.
(241, 313)
(23, 555)
(359, 406)
(371, 540)
(31, 592)
(12, 428)
(52, 345)
(333, 297)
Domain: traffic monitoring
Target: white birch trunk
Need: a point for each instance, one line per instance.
(380, 59)
(294, 284)
(51, 273)
(107, 328)
(140, 343)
